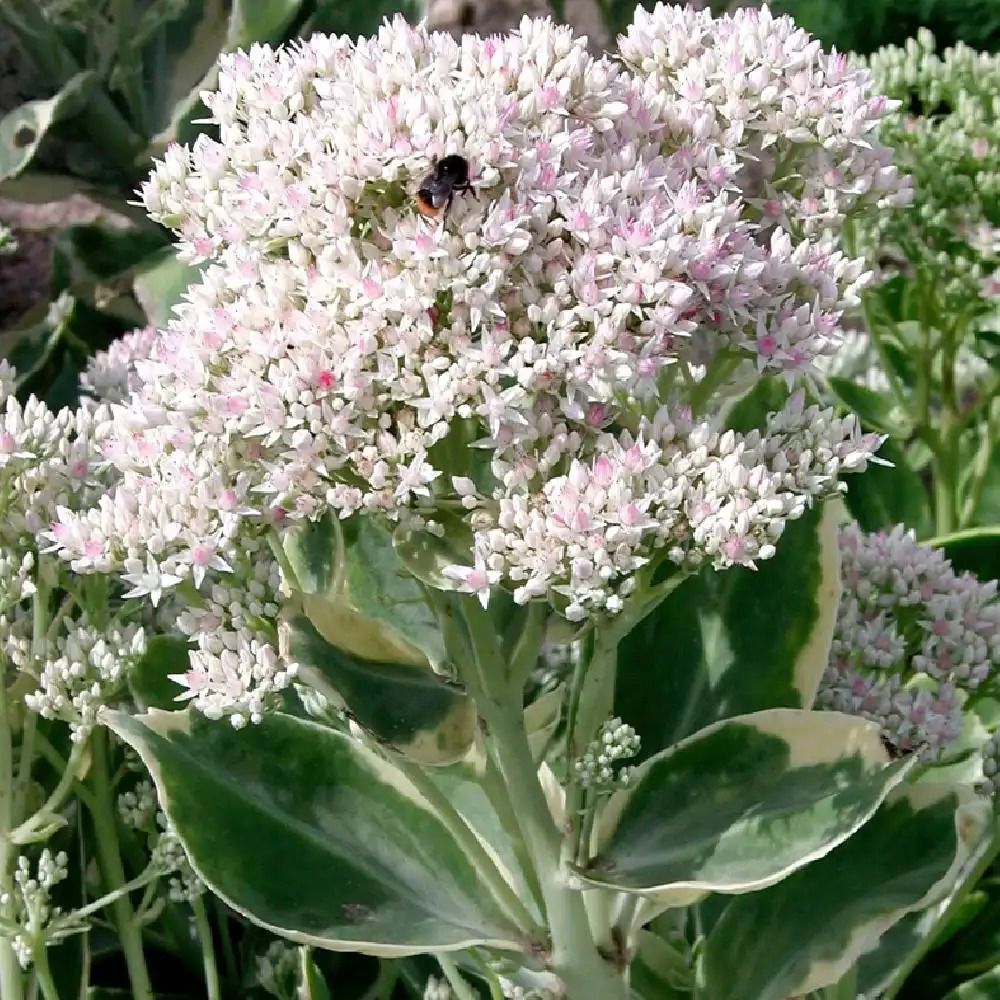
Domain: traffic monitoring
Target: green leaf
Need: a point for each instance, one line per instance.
(405, 706)
(98, 252)
(311, 835)
(877, 967)
(882, 497)
(426, 555)
(361, 596)
(876, 409)
(160, 282)
(984, 987)
(463, 786)
(315, 552)
(974, 551)
(31, 349)
(542, 718)
(807, 931)
(23, 129)
(742, 804)
(727, 643)
(149, 680)
(180, 61)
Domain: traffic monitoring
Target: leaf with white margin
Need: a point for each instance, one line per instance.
(360, 595)
(729, 642)
(741, 805)
(809, 930)
(309, 834)
(405, 706)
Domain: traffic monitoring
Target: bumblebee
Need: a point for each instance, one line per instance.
(449, 176)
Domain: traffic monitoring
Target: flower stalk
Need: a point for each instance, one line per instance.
(112, 870)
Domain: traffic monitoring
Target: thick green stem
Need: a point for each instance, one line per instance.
(204, 931)
(496, 792)
(11, 979)
(459, 985)
(43, 974)
(109, 859)
(574, 956)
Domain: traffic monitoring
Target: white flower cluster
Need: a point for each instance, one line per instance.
(34, 922)
(635, 234)
(913, 640)
(139, 809)
(110, 375)
(81, 670)
(600, 766)
(278, 970)
(234, 667)
(437, 989)
(48, 464)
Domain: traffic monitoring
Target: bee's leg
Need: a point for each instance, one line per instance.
(447, 206)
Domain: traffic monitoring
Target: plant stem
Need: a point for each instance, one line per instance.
(204, 930)
(43, 974)
(496, 792)
(458, 983)
(109, 859)
(574, 956)
(11, 979)
(228, 954)
(24, 833)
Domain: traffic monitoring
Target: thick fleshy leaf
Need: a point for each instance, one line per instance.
(984, 987)
(466, 792)
(404, 705)
(308, 833)
(360, 595)
(809, 930)
(541, 719)
(877, 410)
(180, 60)
(727, 643)
(160, 282)
(23, 129)
(426, 556)
(657, 973)
(150, 681)
(742, 804)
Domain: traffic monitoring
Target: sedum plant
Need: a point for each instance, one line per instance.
(380, 468)
(925, 365)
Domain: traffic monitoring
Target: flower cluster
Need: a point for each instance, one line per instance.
(81, 670)
(110, 375)
(950, 143)
(139, 809)
(947, 243)
(548, 359)
(913, 640)
(437, 989)
(48, 465)
(599, 767)
(278, 970)
(34, 922)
